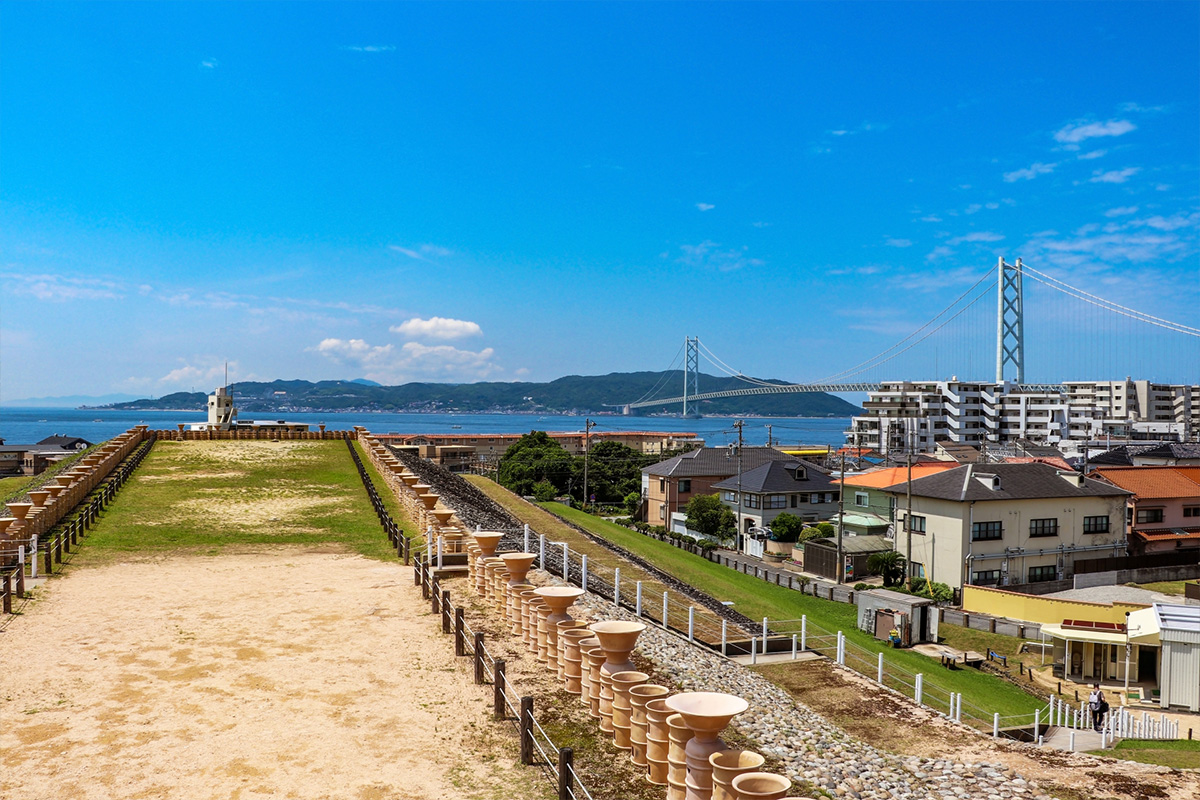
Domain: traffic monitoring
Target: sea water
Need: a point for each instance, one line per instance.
(27, 425)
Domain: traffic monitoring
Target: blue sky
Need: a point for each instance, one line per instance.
(450, 192)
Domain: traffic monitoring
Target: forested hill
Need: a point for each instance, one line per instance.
(572, 394)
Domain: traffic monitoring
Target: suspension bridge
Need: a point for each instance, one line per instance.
(1112, 340)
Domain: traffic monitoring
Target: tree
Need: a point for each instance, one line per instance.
(786, 528)
(544, 491)
(707, 515)
(633, 504)
(888, 563)
(614, 470)
(533, 458)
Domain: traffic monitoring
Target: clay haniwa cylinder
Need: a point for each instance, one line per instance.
(706, 714)
(564, 626)
(534, 621)
(657, 741)
(596, 658)
(677, 762)
(38, 496)
(487, 541)
(524, 598)
(760, 786)
(586, 646)
(622, 682)
(518, 566)
(500, 587)
(5, 522)
(572, 659)
(727, 765)
(544, 610)
(515, 620)
(639, 696)
(618, 639)
(19, 510)
(559, 599)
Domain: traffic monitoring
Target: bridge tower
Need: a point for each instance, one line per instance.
(1010, 321)
(691, 372)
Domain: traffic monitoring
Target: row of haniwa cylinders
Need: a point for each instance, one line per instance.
(675, 737)
(53, 500)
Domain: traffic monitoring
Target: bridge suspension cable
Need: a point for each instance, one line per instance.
(1108, 305)
(663, 379)
(884, 357)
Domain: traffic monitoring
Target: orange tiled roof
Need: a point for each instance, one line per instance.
(1053, 461)
(890, 476)
(1159, 534)
(1151, 482)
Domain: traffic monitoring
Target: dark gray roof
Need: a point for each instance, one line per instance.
(1016, 482)
(715, 461)
(780, 476)
(855, 544)
(65, 441)
(1172, 450)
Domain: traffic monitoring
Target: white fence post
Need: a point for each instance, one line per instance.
(724, 635)
(583, 569)
(917, 691)
(1071, 741)
(542, 550)
(794, 643)
(666, 610)
(879, 670)
(996, 725)
(803, 631)
(33, 548)
(525, 531)
(764, 634)
(566, 562)
(439, 551)
(1037, 722)
(639, 599)
(841, 648)
(617, 587)
(753, 650)
(691, 623)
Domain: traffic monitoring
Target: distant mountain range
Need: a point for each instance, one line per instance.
(69, 400)
(572, 394)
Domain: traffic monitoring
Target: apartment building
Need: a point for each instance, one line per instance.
(669, 485)
(919, 415)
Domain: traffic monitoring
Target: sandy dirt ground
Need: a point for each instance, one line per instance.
(289, 673)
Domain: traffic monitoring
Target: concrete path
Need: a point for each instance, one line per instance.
(1085, 740)
(777, 658)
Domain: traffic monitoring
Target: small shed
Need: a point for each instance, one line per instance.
(820, 556)
(880, 611)
(1179, 632)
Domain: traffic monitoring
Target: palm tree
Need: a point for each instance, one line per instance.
(888, 563)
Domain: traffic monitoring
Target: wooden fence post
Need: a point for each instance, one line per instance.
(566, 761)
(416, 575)
(460, 645)
(435, 603)
(478, 658)
(445, 611)
(526, 728)
(6, 587)
(49, 566)
(498, 688)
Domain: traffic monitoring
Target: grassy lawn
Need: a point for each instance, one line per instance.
(1165, 587)
(1181, 754)
(756, 598)
(207, 496)
(14, 486)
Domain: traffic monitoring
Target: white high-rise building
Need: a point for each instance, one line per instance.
(921, 414)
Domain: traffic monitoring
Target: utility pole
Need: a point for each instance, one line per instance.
(841, 557)
(908, 525)
(587, 449)
(741, 546)
(768, 436)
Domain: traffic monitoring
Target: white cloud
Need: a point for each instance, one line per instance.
(63, 288)
(761, 224)
(1172, 223)
(898, 242)
(1029, 173)
(1091, 155)
(370, 48)
(424, 252)
(838, 133)
(705, 206)
(931, 218)
(209, 63)
(1121, 211)
(1081, 131)
(709, 255)
(437, 328)
(939, 252)
(1114, 175)
(412, 361)
(976, 236)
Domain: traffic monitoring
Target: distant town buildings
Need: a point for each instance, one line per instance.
(920, 415)
(34, 459)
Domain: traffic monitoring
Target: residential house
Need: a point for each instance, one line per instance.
(669, 485)
(66, 442)
(1007, 524)
(870, 509)
(795, 487)
(1164, 506)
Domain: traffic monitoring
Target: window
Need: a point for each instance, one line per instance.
(1150, 515)
(1191, 511)
(804, 498)
(731, 497)
(1095, 524)
(989, 577)
(794, 501)
(752, 501)
(861, 500)
(985, 531)
(1046, 573)
(916, 524)
(662, 484)
(1043, 527)
(685, 485)
(776, 501)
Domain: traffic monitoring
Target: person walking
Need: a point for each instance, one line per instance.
(1098, 706)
